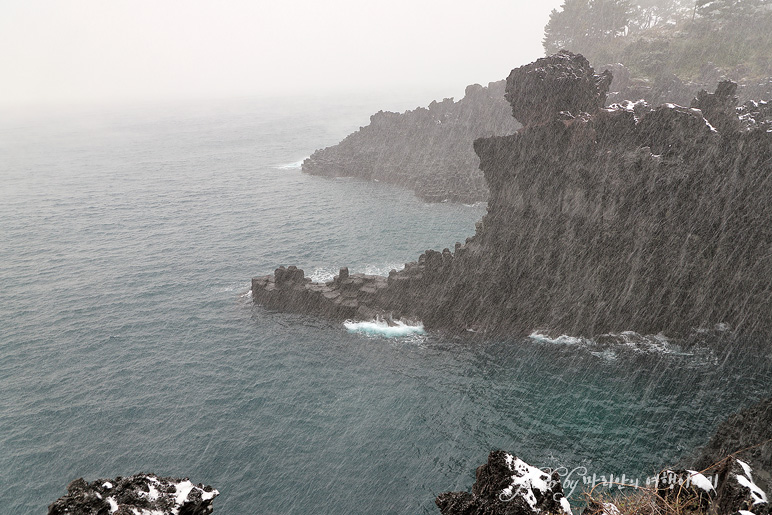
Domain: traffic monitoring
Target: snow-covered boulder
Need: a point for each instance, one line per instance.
(508, 485)
(738, 492)
(141, 494)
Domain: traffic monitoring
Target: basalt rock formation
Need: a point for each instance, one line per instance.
(651, 219)
(428, 150)
(138, 494)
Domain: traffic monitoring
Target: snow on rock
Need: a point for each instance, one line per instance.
(141, 494)
(746, 479)
(686, 487)
(507, 484)
(737, 491)
(700, 481)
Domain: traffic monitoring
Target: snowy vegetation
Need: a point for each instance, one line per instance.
(658, 37)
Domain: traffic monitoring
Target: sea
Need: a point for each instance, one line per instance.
(129, 341)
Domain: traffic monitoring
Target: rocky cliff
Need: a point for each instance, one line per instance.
(428, 150)
(652, 219)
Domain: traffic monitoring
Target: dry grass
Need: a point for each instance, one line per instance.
(647, 501)
(642, 501)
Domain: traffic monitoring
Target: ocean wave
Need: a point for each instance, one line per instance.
(607, 346)
(323, 274)
(295, 165)
(381, 328)
(563, 339)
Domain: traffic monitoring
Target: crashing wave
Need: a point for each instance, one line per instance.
(295, 165)
(389, 329)
(323, 274)
(606, 346)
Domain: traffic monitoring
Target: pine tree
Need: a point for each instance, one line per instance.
(732, 10)
(580, 24)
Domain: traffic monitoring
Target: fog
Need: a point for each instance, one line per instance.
(92, 51)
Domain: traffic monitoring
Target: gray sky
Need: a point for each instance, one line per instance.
(75, 51)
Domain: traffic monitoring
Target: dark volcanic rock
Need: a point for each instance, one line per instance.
(562, 83)
(507, 485)
(737, 491)
(719, 108)
(428, 150)
(666, 87)
(138, 494)
(748, 435)
(631, 218)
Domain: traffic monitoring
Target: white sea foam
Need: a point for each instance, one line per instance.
(382, 269)
(607, 346)
(296, 165)
(606, 355)
(563, 339)
(380, 328)
(323, 274)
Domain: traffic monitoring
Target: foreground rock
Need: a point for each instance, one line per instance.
(507, 485)
(599, 220)
(141, 494)
(428, 150)
(747, 434)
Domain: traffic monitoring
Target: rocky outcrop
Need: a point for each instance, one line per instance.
(507, 485)
(428, 150)
(559, 85)
(748, 435)
(599, 220)
(668, 87)
(737, 491)
(138, 494)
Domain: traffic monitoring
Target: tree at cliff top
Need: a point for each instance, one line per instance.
(580, 23)
(693, 41)
(584, 24)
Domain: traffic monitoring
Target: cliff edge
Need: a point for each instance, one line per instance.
(428, 149)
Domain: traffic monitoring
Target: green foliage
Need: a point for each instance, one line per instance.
(647, 14)
(667, 37)
(580, 23)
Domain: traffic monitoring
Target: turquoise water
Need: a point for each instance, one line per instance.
(129, 343)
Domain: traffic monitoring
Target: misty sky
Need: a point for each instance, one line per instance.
(75, 51)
